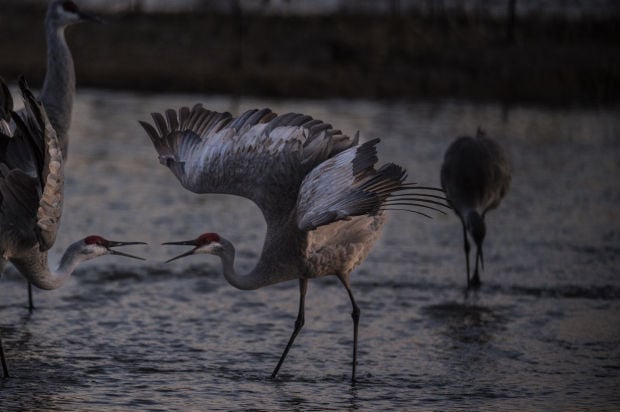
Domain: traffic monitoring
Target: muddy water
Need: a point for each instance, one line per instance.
(543, 332)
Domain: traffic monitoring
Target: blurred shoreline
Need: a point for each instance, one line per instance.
(541, 60)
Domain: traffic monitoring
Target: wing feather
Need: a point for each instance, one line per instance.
(19, 196)
(259, 155)
(51, 171)
(31, 183)
(171, 116)
(348, 185)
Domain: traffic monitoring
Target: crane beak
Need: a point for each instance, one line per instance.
(112, 244)
(182, 243)
(191, 252)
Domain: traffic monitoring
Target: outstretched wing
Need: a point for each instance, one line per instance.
(348, 185)
(259, 155)
(31, 176)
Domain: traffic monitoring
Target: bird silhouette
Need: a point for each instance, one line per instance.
(475, 175)
(318, 190)
(31, 197)
(59, 82)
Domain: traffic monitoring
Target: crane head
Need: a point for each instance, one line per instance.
(95, 245)
(205, 243)
(62, 13)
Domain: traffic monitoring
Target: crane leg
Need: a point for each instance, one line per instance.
(30, 302)
(466, 246)
(5, 368)
(299, 323)
(355, 314)
(475, 281)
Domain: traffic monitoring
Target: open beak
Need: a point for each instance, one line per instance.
(112, 243)
(182, 243)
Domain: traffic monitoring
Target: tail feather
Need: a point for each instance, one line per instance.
(348, 185)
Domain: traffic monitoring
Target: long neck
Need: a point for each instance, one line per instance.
(59, 84)
(244, 282)
(277, 263)
(34, 267)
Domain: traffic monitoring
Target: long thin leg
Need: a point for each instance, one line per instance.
(5, 368)
(466, 246)
(299, 323)
(355, 314)
(30, 303)
(475, 282)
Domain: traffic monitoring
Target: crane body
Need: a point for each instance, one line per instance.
(59, 82)
(322, 198)
(475, 175)
(31, 198)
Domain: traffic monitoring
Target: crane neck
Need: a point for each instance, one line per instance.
(34, 266)
(274, 266)
(59, 84)
(243, 282)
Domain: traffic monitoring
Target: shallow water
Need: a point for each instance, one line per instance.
(543, 332)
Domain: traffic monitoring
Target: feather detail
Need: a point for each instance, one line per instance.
(50, 169)
(259, 155)
(346, 185)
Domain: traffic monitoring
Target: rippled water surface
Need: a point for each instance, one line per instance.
(543, 332)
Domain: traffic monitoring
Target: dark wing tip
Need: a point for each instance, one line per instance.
(150, 130)
(32, 104)
(365, 156)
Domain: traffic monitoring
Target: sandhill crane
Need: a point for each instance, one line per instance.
(59, 83)
(475, 175)
(31, 196)
(318, 190)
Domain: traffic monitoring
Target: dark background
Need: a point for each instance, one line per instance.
(551, 59)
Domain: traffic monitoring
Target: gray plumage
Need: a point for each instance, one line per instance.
(58, 88)
(475, 175)
(321, 196)
(31, 197)
(59, 83)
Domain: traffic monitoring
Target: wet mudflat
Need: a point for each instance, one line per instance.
(542, 332)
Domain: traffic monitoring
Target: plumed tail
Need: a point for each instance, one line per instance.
(348, 185)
